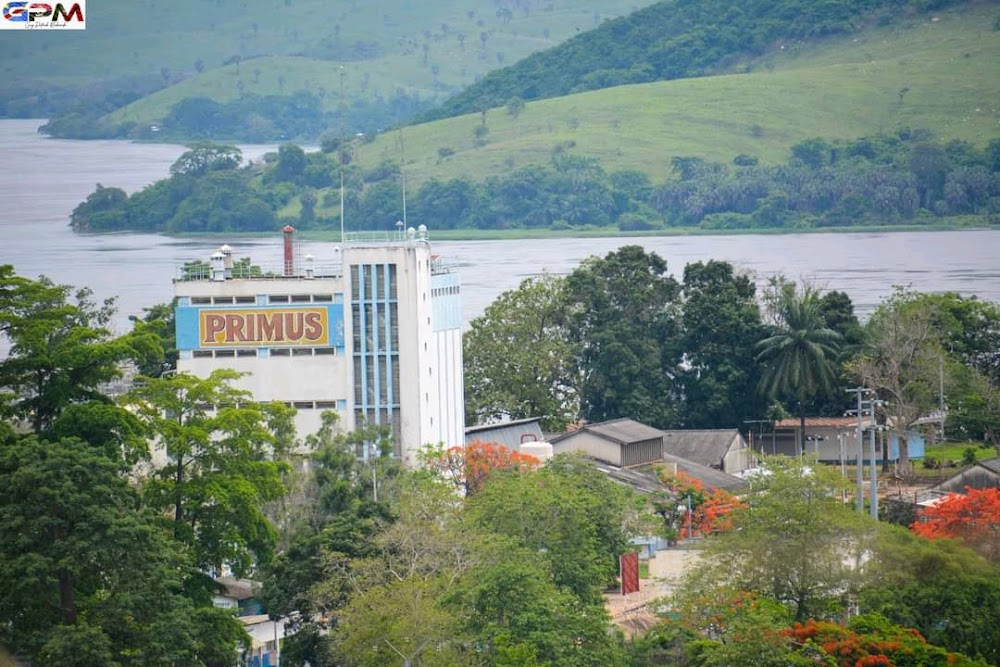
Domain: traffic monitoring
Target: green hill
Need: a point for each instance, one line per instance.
(891, 125)
(131, 48)
(939, 72)
(675, 39)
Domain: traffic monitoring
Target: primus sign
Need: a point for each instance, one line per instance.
(18, 15)
(316, 326)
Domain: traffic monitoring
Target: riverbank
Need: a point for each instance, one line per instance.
(952, 224)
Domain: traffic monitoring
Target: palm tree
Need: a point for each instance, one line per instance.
(799, 357)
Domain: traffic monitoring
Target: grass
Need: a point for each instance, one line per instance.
(849, 88)
(955, 451)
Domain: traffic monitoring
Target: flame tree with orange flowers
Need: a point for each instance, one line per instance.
(468, 467)
(972, 517)
(710, 509)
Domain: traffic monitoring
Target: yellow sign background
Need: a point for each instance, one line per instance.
(263, 327)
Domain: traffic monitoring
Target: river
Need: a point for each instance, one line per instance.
(46, 178)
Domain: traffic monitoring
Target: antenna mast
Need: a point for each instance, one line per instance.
(340, 156)
(402, 171)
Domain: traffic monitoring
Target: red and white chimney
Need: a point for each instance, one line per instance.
(289, 232)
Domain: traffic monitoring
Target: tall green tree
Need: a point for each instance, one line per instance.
(799, 357)
(158, 320)
(61, 349)
(721, 326)
(519, 358)
(794, 542)
(218, 458)
(903, 362)
(87, 576)
(568, 510)
(335, 512)
(942, 588)
(206, 156)
(624, 311)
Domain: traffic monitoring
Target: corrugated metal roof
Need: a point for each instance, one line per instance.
(624, 431)
(822, 422)
(645, 480)
(704, 446)
(508, 434)
(992, 464)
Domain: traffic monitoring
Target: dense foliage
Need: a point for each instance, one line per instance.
(669, 40)
(902, 178)
(509, 575)
(251, 118)
(622, 338)
(91, 570)
(778, 589)
(105, 548)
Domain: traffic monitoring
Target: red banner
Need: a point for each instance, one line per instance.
(629, 564)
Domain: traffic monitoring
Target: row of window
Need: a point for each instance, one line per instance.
(224, 300)
(445, 291)
(298, 405)
(304, 298)
(273, 352)
(272, 298)
(371, 380)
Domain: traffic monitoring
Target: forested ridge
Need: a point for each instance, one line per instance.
(901, 178)
(672, 40)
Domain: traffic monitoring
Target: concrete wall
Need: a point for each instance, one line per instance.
(738, 457)
(590, 445)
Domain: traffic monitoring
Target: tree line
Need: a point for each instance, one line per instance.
(620, 337)
(114, 512)
(670, 40)
(250, 117)
(901, 178)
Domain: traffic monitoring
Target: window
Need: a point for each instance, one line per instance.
(300, 298)
(278, 298)
(199, 300)
(246, 299)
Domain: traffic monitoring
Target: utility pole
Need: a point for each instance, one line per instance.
(873, 500)
(860, 391)
(872, 404)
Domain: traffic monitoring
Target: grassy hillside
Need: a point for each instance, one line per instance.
(675, 39)
(437, 46)
(938, 72)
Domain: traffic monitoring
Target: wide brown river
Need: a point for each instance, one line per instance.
(45, 178)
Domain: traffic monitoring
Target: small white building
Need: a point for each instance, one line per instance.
(372, 331)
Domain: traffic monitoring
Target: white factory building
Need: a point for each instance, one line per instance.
(373, 331)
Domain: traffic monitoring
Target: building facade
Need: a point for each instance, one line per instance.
(373, 332)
